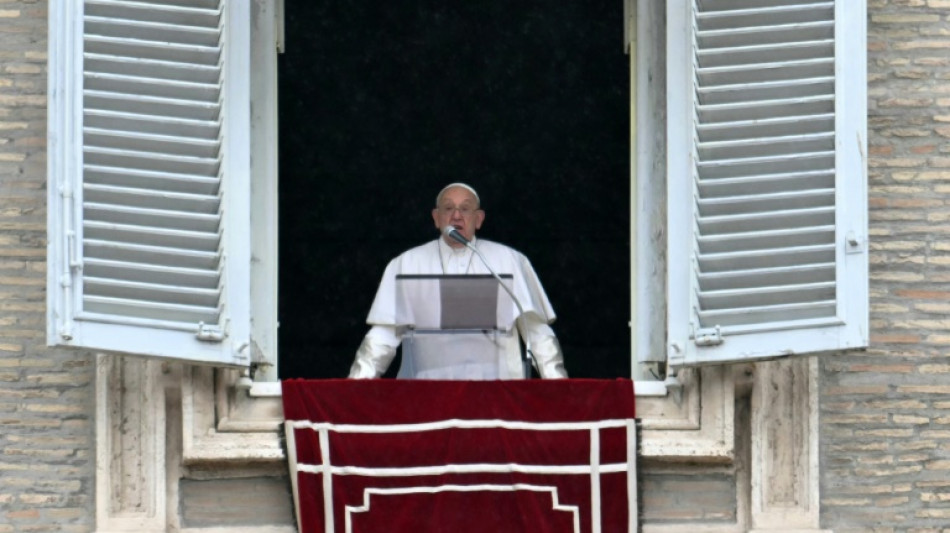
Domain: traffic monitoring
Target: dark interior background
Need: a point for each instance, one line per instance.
(383, 103)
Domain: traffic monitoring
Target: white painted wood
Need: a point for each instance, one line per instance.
(679, 162)
(264, 181)
(64, 161)
(650, 389)
(150, 173)
(766, 180)
(631, 44)
(649, 208)
(236, 168)
(149, 72)
(265, 389)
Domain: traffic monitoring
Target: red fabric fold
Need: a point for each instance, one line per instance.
(393, 401)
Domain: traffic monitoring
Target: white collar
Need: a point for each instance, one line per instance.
(457, 255)
(461, 250)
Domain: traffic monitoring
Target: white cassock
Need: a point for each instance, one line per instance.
(378, 348)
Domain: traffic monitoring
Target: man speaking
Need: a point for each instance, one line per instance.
(458, 215)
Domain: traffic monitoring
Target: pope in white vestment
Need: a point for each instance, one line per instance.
(457, 205)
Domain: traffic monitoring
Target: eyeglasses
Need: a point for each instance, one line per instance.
(465, 210)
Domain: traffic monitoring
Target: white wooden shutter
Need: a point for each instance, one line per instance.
(149, 177)
(767, 178)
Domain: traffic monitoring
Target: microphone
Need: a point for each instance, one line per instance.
(527, 358)
(453, 233)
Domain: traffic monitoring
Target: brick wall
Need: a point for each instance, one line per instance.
(46, 449)
(885, 414)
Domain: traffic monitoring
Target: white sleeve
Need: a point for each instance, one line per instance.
(544, 346)
(375, 353)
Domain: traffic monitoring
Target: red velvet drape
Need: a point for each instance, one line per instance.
(462, 456)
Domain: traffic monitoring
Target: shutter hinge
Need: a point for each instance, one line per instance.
(709, 337)
(210, 333)
(72, 264)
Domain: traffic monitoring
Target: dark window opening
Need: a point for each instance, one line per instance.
(381, 104)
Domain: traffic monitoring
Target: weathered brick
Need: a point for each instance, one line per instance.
(856, 390)
(893, 405)
(890, 308)
(938, 339)
(26, 514)
(909, 419)
(889, 471)
(899, 18)
(893, 432)
(846, 502)
(923, 389)
(856, 419)
(891, 502)
(860, 447)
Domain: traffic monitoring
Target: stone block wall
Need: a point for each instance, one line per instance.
(689, 495)
(251, 501)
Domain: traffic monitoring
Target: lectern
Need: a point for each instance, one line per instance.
(454, 326)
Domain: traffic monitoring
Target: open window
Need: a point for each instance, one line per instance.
(161, 179)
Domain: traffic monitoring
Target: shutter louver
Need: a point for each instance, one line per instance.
(765, 250)
(766, 175)
(152, 218)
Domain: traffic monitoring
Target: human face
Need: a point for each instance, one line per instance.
(459, 208)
